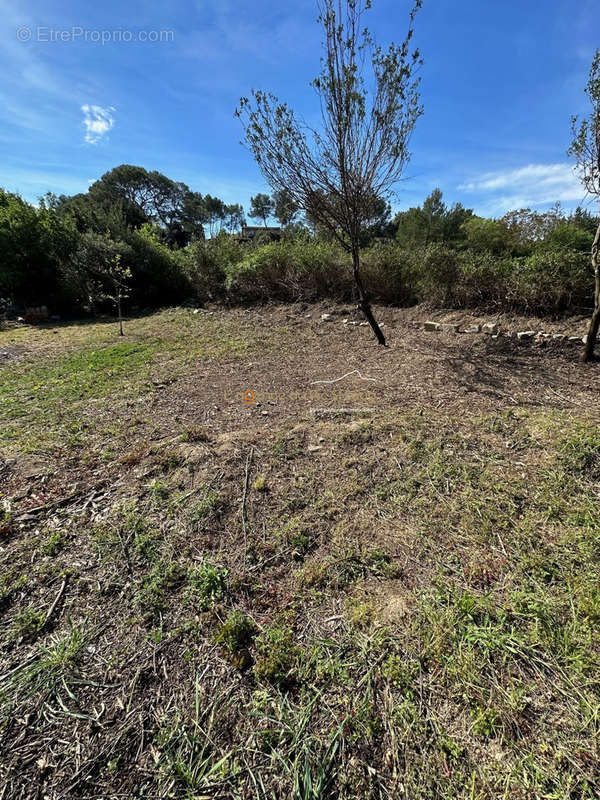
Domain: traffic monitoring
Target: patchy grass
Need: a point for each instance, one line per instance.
(44, 403)
(264, 607)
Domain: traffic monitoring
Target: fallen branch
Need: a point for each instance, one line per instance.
(57, 600)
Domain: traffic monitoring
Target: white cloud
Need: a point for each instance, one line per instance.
(530, 186)
(98, 121)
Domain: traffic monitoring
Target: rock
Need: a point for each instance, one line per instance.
(449, 327)
(314, 448)
(522, 335)
(559, 337)
(431, 326)
(473, 329)
(362, 324)
(20, 319)
(490, 328)
(326, 317)
(196, 311)
(574, 339)
(344, 322)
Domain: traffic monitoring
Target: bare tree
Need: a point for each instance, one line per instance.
(369, 106)
(585, 148)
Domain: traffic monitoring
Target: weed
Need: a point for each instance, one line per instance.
(260, 484)
(288, 447)
(189, 761)
(28, 623)
(167, 459)
(152, 595)
(209, 506)
(9, 588)
(53, 666)
(206, 584)
(277, 657)
(236, 633)
(6, 522)
(54, 543)
(159, 491)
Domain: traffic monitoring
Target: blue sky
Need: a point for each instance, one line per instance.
(499, 84)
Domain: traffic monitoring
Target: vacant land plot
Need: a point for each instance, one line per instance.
(249, 554)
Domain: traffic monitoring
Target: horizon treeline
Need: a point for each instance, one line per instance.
(171, 245)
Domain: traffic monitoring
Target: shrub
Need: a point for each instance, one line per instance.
(291, 270)
(206, 265)
(391, 273)
(439, 273)
(551, 280)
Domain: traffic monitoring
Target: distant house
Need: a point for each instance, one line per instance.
(250, 231)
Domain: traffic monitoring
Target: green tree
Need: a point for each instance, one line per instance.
(215, 214)
(234, 217)
(432, 223)
(285, 209)
(98, 267)
(486, 235)
(35, 243)
(261, 207)
(338, 173)
(153, 197)
(585, 149)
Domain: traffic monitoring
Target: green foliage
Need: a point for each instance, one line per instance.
(206, 584)
(208, 507)
(261, 207)
(35, 245)
(54, 543)
(206, 265)
(236, 633)
(486, 236)
(431, 223)
(290, 270)
(277, 657)
(152, 594)
(28, 623)
(87, 250)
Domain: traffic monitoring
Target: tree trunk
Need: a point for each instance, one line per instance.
(588, 354)
(364, 303)
(120, 314)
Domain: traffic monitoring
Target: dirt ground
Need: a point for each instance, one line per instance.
(342, 501)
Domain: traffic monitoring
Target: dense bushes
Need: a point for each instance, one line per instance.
(34, 246)
(550, 280)
(299, 269)
(53, 255)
